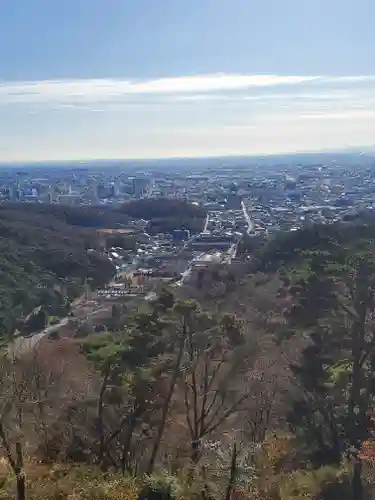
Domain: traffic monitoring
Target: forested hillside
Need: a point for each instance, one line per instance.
(83, 216)
(165, 215)
(263, 389)
(42, 258)
(43, 249)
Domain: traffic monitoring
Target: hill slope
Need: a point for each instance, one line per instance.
(39, 253)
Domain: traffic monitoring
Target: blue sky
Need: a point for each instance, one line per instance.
(156, 78)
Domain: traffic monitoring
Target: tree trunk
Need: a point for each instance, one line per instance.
(195, 451)
(167, 402)
(21, 485)
(233, 473)
(357, 486)
(20, 473)
(127, 443)
(354, 406)
(103, 389)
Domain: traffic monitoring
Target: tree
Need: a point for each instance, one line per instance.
(14, 398)
(39, 255)
(34, 390)
(334, 300)
(212, 372)
(115, 321)
(258, 415)
(130, 366)
(185, 311)
(165, 301)
(124, 241)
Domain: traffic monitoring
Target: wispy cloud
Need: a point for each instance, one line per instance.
(201, 115)
(199, 87)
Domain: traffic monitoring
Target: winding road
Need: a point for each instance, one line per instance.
(22, 345)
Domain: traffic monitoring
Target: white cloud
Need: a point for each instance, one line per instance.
(203, 115)
(350, 79)
(85, 91)
(342, 115)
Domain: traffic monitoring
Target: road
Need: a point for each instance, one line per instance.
(206, 223)
(250, 224)
(25, 344)
(231, 254)
(22, 345)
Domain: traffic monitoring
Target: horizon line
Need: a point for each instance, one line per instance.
(315, 152)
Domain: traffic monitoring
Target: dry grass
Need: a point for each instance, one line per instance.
(64, 483)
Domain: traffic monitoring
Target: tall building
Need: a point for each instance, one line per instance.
(52, 195)
(115, 189)
(13, 193)
(103, 191)
(140, 186)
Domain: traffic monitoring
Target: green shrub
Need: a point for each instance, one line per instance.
(326, 483)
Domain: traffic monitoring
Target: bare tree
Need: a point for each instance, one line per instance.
(258, 414)
(35, 388)
(185, 311)
(14, 394)
(216, 385)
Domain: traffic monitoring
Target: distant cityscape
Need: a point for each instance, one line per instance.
(284, 194)
(233, 199)
(253, 196)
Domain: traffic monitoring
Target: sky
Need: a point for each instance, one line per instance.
(88, 79)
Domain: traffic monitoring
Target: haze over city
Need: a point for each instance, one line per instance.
(152, 79)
